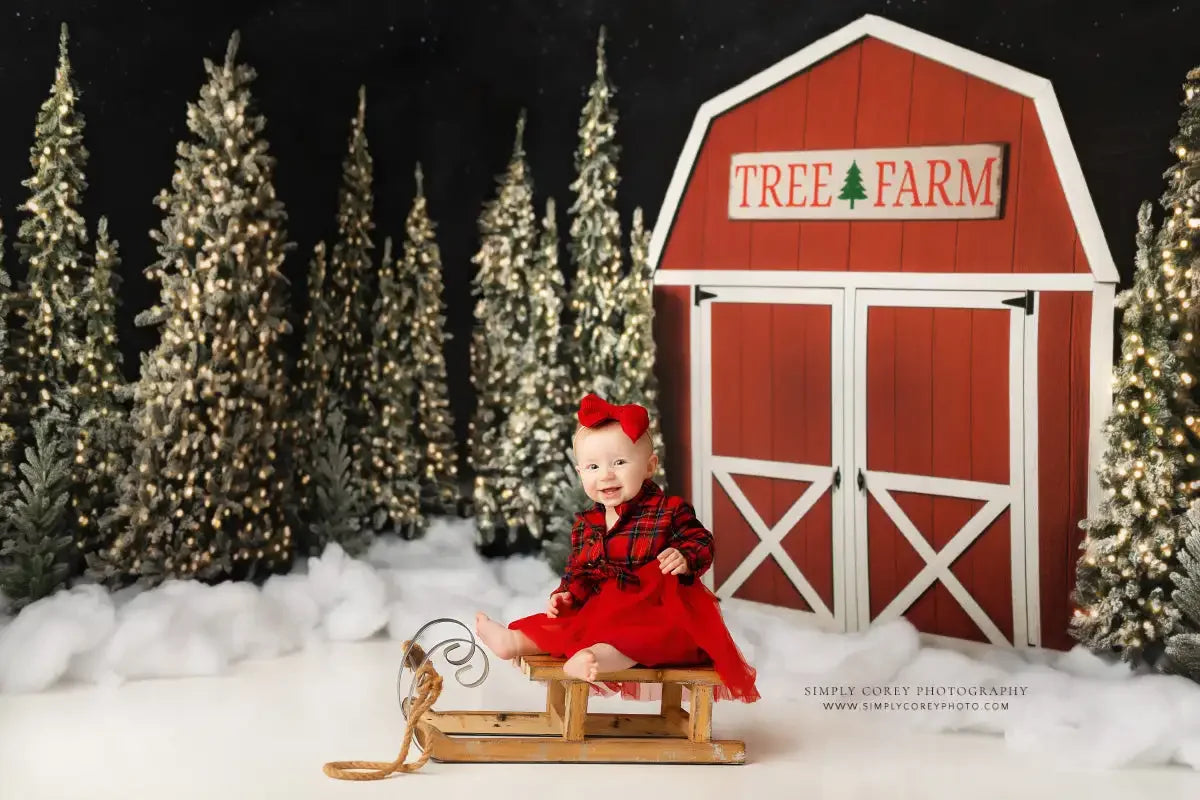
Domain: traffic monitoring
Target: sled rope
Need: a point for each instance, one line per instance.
(429, 687)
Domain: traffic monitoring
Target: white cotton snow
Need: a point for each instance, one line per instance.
(1070, 707)
(37, 647)
(350, 594)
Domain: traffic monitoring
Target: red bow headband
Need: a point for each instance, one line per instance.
(634, 419)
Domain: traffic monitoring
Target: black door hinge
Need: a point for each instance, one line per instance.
(700, 294)
(1025, 301)
(837, 478)
(862, 480)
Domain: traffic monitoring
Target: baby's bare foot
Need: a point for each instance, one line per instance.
(582, 666)
(499, 639)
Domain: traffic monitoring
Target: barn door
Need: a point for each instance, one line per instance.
(772, 445)
(939, 433)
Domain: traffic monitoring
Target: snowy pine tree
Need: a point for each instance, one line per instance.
(352, 291)
(392, 486)
(313, 386)
(502, 312)
(636, 381)
(102, 440)
(203, 497)
(1149, 472)
(35, 546)
(8, 384)
(1183, 646)
(538, 429)
(51, 243)
(595, 244)
(436, 443)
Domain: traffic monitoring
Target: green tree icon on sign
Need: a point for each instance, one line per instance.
(853, 189)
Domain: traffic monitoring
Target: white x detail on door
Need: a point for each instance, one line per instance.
(771, 538)
(937, 564)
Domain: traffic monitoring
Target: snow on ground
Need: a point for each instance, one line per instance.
(1069, 706)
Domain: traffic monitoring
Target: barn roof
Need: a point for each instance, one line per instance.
(1079, 200)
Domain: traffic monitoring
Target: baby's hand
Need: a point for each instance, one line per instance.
(672, 562)
(552, 606)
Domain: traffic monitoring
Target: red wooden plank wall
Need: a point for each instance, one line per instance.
(1064, 386)
(873, 94)
(673, 368)
(732, 398)
(801, 394)
(771, 401)
(937, 405)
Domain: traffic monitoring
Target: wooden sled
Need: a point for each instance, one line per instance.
(567, 733)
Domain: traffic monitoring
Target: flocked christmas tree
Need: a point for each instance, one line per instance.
(8, 384)
(436, 443)
(102, 439)
(392, 486)
(595, 243)
(1183, 645)
(538, 430)
(312, 398)
(502, 311)
(352, 291)
(1181, 240)
(203, 497)
(1149, 470)
(51, 242)
(35, 545)
(636, 381)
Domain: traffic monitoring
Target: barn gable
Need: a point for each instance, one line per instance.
(875, 83)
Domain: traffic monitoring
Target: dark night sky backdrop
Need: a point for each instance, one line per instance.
(445, 81)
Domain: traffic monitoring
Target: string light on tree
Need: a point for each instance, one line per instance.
(536, 480)
(195, 502)
(394, 458)
(8, 380)
(352, 292)
(595, 243)
(502, 319)
(636, 381)
(435, 439)
(1124, 590)
(102, 440)
(313, 399)
(50, 242)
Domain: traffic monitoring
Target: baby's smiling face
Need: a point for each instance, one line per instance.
(612, 467)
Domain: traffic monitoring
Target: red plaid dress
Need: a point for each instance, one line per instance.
(621, 598)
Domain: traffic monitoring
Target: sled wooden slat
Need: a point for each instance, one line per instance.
(541, 723)
(567, 733)
(520, 749)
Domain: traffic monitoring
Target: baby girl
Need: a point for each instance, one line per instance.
(630, 593)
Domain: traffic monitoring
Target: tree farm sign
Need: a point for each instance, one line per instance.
(940, 182)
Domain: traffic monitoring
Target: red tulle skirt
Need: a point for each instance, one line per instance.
(660, 622)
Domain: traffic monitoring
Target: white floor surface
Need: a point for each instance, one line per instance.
(265, 730)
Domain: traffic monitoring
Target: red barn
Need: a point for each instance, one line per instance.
(883, 312)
